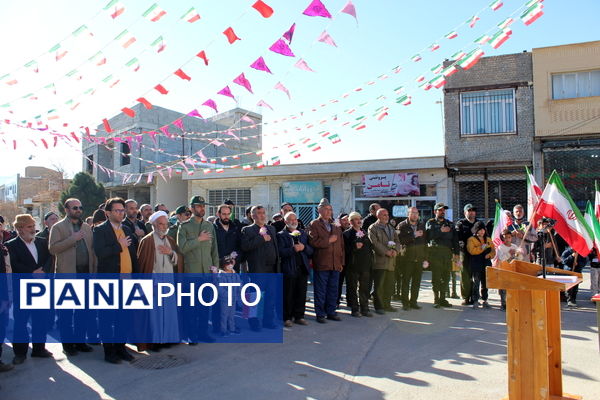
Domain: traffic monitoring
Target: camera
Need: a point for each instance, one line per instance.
(549, 221)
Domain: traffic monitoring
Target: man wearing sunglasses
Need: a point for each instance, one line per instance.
(71, 244)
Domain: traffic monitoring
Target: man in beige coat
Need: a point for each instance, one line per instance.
(71, 245)
(386, 247)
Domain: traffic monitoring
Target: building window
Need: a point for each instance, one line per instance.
(576, 84)
(240, 197)
(90, 164)
(125, 154)
(487, 112)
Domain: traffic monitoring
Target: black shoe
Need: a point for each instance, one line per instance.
(19, 360)
(321, 320)
(444, 303)
(334, 317)
(83, 348)
(41, 354)
(503, 307)
(380, 312)
(125, 356)
(391, 309)
(5, 367)
(415, 306)
(437, 305)
(70, 350)
(192, 344)
(112, 358)
(356, 314)
(367, 314)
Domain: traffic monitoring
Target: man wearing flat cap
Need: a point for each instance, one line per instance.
(197, 242)
(28, 254)
(443, 246)
(328, 258)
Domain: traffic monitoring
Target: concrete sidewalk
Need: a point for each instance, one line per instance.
(457, 353)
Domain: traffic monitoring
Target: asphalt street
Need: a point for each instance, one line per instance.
(457, 353)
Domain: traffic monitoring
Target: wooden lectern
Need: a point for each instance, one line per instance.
(533, 325)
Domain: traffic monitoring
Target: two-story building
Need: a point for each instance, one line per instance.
(111, 157)
(489, 127)
(567, 116)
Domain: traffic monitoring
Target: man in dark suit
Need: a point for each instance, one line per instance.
(113, 245)
(4, 303)
(28, 255)
(259, 245)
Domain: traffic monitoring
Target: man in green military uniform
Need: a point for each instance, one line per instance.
(197, 241)
(443, 246)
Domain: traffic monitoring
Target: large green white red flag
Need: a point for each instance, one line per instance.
(502, 221)
(534, 192)
(593, 222)
(556, 203)
(597, 203)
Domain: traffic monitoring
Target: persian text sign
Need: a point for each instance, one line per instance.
(391, 185)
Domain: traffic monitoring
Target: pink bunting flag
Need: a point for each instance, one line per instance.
(317, 9)
(327, 39)
(200, 154)
(242, 81)
(260, 65)
(290, 33)
(211, 103)
(152, 136)
(170, 171)
(262, 103)
(350, 10)
(230, 133)
(301, 64)
(194, 113)
(165, 130)
(226, 92)
(279, 86)
(216, 143)
(161, 174)
(282, 48)
(179, 123)
(246, 118)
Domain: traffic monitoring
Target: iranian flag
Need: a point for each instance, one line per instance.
(500, 37)
(314, 146)
(506, 23)
(437, 69)
(438, 81)
(125, 39)
(534, 192)
(451, 70)
(597, 203)
(114, 8)
(502, 221)
(404, 100)
(415, 58)
(458, 55)
(191, 15)
(159, 44)
(593, 223)
(471, 59)
(420, 78)
(134, 64)
(275, 160)
(247, 167)
(556, 203)
(451, 35)
(532, 13)
(494, 5)
(472, 21)
(295, 153)
(434, 47)
(482, 39)
(335, 138)
(154, 13)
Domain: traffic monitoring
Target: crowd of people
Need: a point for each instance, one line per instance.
(374, 259)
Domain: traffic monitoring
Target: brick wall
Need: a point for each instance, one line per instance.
(506, 71)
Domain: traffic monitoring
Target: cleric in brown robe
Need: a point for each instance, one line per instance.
(158, 254)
